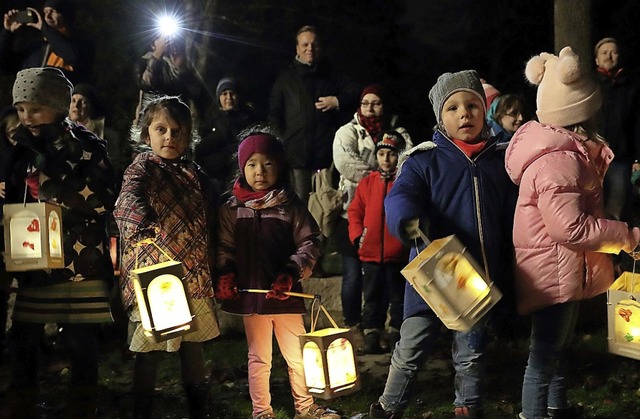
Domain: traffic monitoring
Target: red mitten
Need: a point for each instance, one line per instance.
(283, 284)
(227, 287)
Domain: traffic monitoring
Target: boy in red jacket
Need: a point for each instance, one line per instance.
(382, 255)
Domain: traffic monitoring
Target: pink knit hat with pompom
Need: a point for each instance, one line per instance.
(566, 96)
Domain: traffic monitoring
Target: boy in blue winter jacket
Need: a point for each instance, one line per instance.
(454, 184)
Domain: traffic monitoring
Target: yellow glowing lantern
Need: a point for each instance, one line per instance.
(162, 300)
(328, 357)
(623, 316)
(33, 236)
(447, 277)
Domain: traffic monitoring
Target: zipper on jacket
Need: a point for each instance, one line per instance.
(258, 220)
(476, 191)
(384, 195)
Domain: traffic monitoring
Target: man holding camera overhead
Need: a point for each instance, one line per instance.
(30, 39)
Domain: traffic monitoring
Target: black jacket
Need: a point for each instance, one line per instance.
(307, 132)
(619, 121)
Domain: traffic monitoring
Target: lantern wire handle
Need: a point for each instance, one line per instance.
(424, 238)
(633, 275)
(26, 187)
(146, 242)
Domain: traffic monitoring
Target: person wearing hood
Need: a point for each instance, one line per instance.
(563, 242)
(505, 115)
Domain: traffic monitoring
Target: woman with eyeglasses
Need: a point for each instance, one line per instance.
(354, 155)
(507, 113)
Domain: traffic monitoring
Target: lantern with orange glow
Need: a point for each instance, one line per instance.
(33, 236)
(162, 300)
(623, 315)
(447, 277)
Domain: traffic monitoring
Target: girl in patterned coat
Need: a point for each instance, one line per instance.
(166, 198)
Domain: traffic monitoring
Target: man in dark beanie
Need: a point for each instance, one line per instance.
(49, 40)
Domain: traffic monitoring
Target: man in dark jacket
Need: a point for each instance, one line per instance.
(304, 106)
(619, 124)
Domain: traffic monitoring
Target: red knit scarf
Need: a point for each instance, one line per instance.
(373, 124)
(243, 194)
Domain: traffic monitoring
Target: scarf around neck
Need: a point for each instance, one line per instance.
(259, 199)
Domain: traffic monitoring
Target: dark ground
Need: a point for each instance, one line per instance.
(603, 385)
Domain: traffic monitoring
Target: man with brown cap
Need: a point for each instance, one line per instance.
(47, 41)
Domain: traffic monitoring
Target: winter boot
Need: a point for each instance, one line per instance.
(198, 399)
(377, 412)
(564, 413)
(463, 412)
(142, 404)
(372, 342)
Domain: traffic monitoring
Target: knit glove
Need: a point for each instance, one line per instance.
(282, 284)
(410, 229)
(227, 287)
(284, 281)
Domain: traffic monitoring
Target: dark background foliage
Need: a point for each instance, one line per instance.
(405, 44)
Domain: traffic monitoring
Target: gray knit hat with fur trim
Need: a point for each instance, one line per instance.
(450, 83)
(45, 86)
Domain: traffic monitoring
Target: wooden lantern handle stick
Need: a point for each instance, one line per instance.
(297, 294)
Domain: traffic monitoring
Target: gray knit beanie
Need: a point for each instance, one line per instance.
(450, 83)
(46, 86)
(226, 83)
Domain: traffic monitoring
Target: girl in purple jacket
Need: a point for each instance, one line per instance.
(268, 241)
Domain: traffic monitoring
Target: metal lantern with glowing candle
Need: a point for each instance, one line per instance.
(162, 299)
(328, 356)
(451, 283)
(623, 316)
(33, 236)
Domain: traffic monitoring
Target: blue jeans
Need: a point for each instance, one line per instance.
(545, 381)
(351, 290)
(383, 285)
(418, 336)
